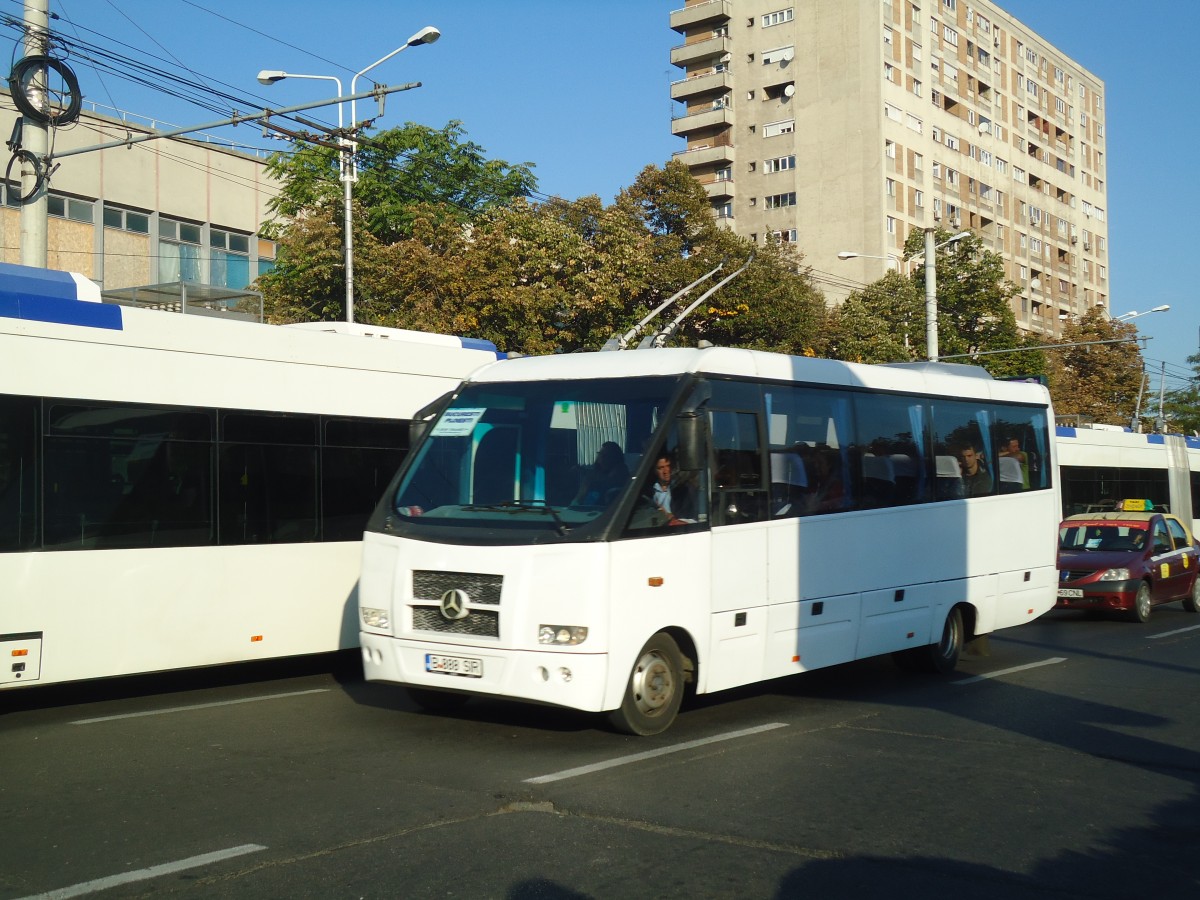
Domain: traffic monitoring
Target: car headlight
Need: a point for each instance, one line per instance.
(562, 635)
(1114, 575)
(374, 618)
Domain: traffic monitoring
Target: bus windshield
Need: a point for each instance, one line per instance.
(547, 458)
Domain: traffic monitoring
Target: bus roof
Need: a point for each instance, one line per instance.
(932, 378)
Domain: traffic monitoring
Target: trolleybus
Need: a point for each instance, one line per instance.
(188, 490)
(602, 531)
(1102, 466)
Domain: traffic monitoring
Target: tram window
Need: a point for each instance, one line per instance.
(126, 476)
(267, 490)
(18, 473)
(358, 461)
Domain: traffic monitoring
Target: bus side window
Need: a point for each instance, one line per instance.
(739, 493)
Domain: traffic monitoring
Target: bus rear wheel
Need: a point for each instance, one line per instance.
(654, 691)
(938, 658)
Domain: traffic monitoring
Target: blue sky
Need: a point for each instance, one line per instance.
(522, 76)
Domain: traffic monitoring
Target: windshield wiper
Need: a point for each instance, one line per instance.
(536, 505)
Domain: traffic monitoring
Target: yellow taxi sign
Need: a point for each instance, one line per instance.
(1137, 506)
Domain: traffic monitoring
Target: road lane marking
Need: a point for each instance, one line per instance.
(650, 754)
(175, 709)
(103, 884)
(1170, 633)
(1044, 662)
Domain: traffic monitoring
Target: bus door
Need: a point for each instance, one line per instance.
(738, 558)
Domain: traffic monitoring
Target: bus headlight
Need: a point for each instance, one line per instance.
(1114, 575)
(375, 618)
(562, 635)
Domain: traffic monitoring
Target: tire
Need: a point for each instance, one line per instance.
(938, 658)
(1141, 604)
(654, 691)
(1192, 603)
(437, 701)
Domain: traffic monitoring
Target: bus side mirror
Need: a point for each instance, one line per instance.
(690, 429)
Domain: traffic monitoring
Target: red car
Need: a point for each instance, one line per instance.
(1127, 561)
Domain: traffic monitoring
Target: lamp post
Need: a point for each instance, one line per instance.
(348, 148)
(891, 258)
(931, 311)
(1125, 317)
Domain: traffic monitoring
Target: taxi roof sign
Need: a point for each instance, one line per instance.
(1137, 506)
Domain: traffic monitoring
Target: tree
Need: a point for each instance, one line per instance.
(974, 304)
(403, 172)
(884, 322)
(1099, 381)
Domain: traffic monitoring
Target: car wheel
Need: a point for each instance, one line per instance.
(1192, 603)
(1141, 604)
(654, 691)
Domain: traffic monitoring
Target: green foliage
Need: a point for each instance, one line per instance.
(1096, 380)
(884, 322)
(541, 278)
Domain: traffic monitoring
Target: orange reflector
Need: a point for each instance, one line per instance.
(20, 653)
(255, 638)
(795, 659)
(654, 581)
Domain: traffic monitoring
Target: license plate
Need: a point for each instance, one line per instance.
(1070, 593)
(465, 666)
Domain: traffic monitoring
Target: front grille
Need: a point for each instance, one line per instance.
(1066, 575)
(430, 585)
(479, 623)
(481, 590)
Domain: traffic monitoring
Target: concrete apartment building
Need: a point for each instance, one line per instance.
(842, 125)
(160, 212)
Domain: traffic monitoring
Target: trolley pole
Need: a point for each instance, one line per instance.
(34, 137)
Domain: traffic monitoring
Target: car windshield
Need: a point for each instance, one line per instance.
(547, 458)
(1102, 536)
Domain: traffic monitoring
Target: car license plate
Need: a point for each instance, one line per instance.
(465, 666)
(1070, 593)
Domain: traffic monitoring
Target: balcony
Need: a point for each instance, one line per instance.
(708, 118)
(708, 48)
(709, 82)
(710, 11)
(705, 156)
(718, 189)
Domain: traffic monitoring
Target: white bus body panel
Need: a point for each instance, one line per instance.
(122, 611)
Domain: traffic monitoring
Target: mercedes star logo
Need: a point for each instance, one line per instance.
(454, 604)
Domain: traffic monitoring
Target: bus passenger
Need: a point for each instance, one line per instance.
(607, 476)
(976, 480)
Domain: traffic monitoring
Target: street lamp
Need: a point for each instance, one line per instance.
(931, 312)
(892, 259)
(347, 147)
(1125, 317)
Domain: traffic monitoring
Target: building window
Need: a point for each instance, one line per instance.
(70, 208)
(126, 219)
(771, 129)
(891, 225)
(778, 201)
(229, 264)
(889, 72)
(890, 186)
(178, 251)
(777, 18)
(914, 123)
(950, 35)
(918, 198)
(779, 164)
(778, 55)
(725, 211)
(787, 236)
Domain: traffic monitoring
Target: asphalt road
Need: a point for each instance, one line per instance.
(1064, 764)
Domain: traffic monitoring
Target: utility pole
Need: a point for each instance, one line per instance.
(34, 137)
(931, 310)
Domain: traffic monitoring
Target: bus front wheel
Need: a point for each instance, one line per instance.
(654, 690)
